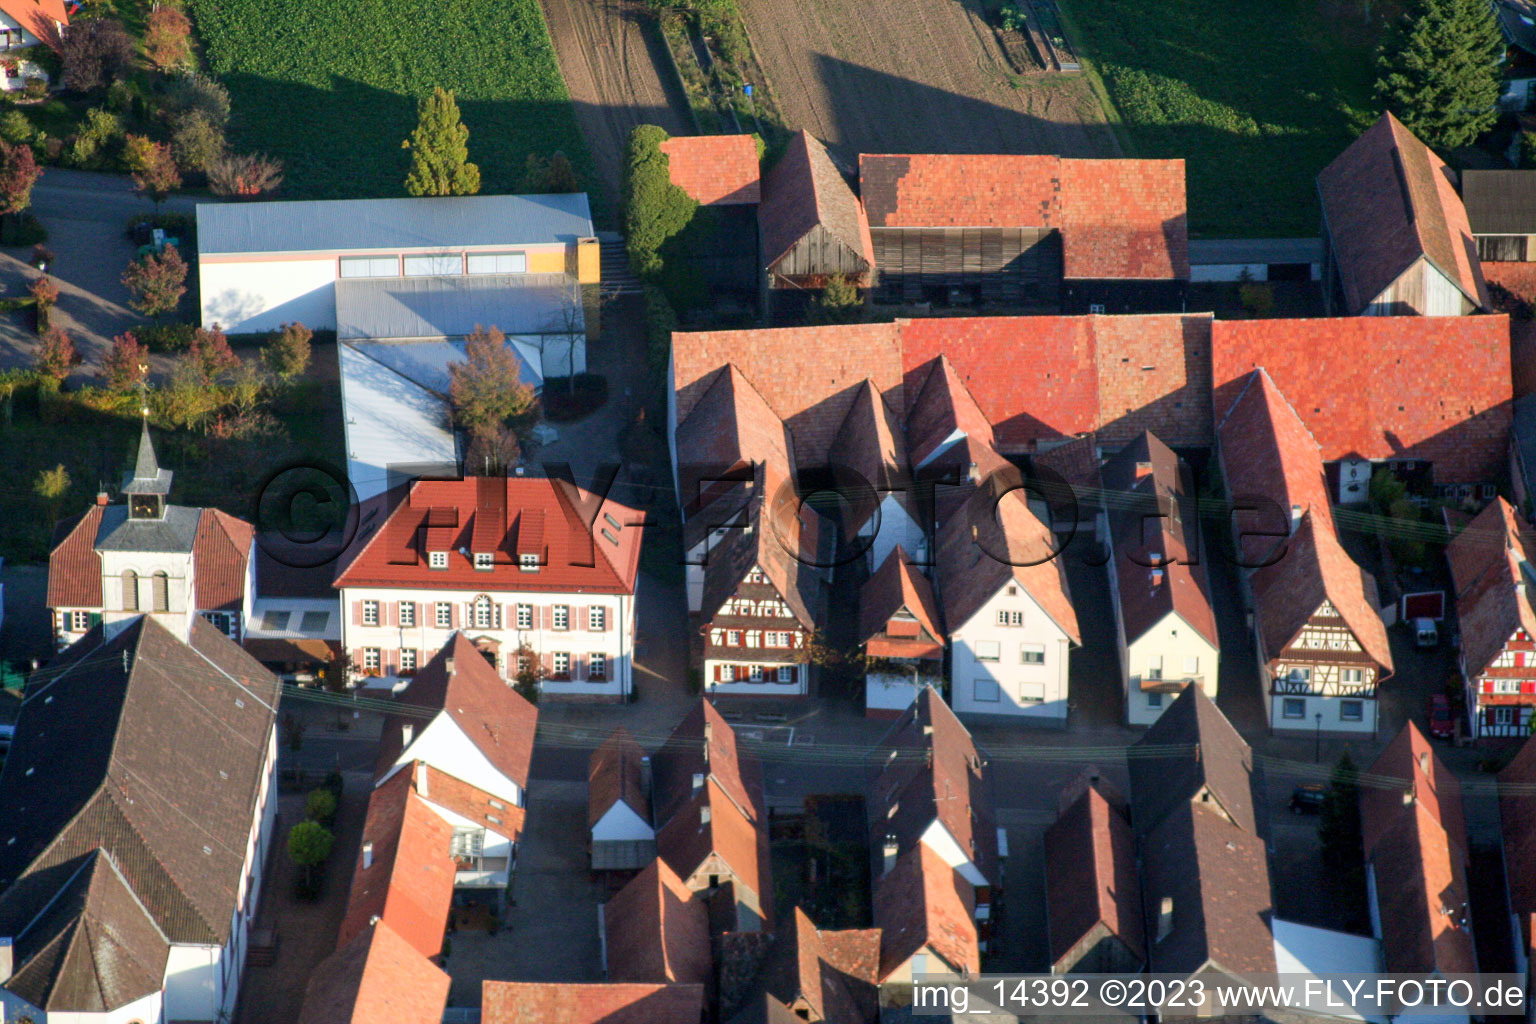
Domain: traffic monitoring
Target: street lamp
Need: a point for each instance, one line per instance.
(1317, 745)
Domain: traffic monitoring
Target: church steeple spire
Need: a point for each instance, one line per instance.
(148, 484)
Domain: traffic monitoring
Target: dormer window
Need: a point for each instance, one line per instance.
(437, 559)
(528, 563)
(484, 561)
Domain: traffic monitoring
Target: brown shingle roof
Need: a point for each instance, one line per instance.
(936, 775)
(897, 585)
(687, 840)
(1436, 388)
(221, 551)
(1190, 751)
(941, 408)
(1090, 866)
(520, 1002)
(614, 776)
(657, 930)
(833, 974)
(118, 717)
(716, 170)
(409, 884)
(1493, 599)
(921, 903)
(871, 445)
(805, 190)
(1389, 201)
(377, 977)
(704, 743)
(1410, 762)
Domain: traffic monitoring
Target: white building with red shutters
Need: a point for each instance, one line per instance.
(523, 567)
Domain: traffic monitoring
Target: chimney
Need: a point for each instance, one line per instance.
(1165, 918)
(368, 855)
(7, 964)
(421, 779)
(101, 497)
(704, 815)
(889, 860)
(971, 473)
(1157, 578)
(448, 664)
(698, 781)
(645, 776)
(1296, 514)
(407, 734)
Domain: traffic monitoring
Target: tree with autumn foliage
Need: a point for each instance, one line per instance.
(244, 175)
(490, 401)
(287, 352)
(126, 365)
(167, 36)
(153, 167)
(157, 280)
(211, 355)
(18, 173)
(56, 354)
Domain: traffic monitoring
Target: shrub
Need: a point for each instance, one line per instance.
(56, 354)
(1528, 150)
(248, 174)
(211, 355)
(167, 36)
(166, 337)
(309, 844)
(320, 805)
(96, 52)
(552, 175)
(35, 88)
(287, 351)
(660, 322)
(51, 484)
(486, 389)
(564, 402)
(654, 208)
(15, 126)
(1257, 297)
(127, 364)
(196, 142)
(196, 92)
(152, 165)
(42, 256)
(157, 281)
(18, 173)
(838, 303)
(94, 145)
(44, 292)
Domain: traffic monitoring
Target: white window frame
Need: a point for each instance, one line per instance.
(442, 615)
(1293, 702)
(407, 614)
(1352, 675)
(989, 651)
(485, 561)
(1031, 693)
(407, 659)
(1154, 666)
(754, 673)
(983, 685)
(528, 562)
(1507, 687)
(437, 560)
(373, 659)
(562, 616)
(79, 621)
(1351, 710)
(597, 618)
(1009, 617)
(1154, 700)
(556, 660)
(1025, 650)
(1504, 715)
(484, 612)
(370, 266)
(597, 667)
(433, 264)
(370, 613)
(525, 616)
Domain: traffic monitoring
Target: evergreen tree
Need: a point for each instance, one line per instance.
(440, 150)
(1338, 825)
(1440, 70)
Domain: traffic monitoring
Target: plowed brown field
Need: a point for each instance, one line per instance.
(923, 76)
(617, 77)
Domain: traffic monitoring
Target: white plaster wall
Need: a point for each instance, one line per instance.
(192, 983)
(620, 823)
(262, 295)
(444, 746)
(1329, 707)
(1008, 671)
(1173, 640)
(140, 1011)
(896, 526)
(884, 692)
(749, 689)
(937, 838)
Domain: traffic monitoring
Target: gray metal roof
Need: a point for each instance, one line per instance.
(1500, 202)
(175, 532)
(332, 225)
(382, 308)
(1220, 251)
(426, 362)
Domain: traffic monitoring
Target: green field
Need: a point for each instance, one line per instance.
(331, 88)
(1257, 97)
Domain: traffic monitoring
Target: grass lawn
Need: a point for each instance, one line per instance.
(331, 88)
(1257, 97)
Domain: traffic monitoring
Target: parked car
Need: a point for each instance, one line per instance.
(1308, 798)
(1442, 723)
(1425, 633)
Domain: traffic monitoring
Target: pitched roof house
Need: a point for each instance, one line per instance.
(377, 976)
(36, 21)
(115, 562)
(1166, 625)
(926, 915)
(817, 975)
(1517, 824)
(1415, 839)
(899, 626)
(657, 930)
(533, 568)
(811, 224)
(618, 805)
(1093, 895)
(564, 1002)
(1501, 205)
(108, 889)
(1491, 571)
(1395, 233)
(465, 744)
(1391, 389)
(1205, 873)
(716, 170)
(1321, 638)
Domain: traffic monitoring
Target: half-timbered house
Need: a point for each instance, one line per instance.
(1492, 573)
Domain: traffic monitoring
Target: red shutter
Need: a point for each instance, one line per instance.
(1527, 686)
(547, 616)
(357, 613)
(1487, 685)
(581, 617)
(390, 613)
(1488, 715)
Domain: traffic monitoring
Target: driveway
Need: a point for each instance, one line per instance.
(86, 215)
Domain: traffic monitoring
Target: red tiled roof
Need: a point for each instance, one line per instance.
(1493, 598)
(942, 406)
(922, 903)
(729, 427)
(39, 17)
(1435, 388)
(1389, 201)
(657, 930)
(441, 789)
(613, 776)
(1517, 820)
(410, 883)
(871, 444)
(1118, 218)
(564, 1002)
(376, 977)
(704, 743)
(803, 191)
(716, 170)
(1404, 762)
(896, 586)
(1090, 864)
(687, 840)
(221, 551)
(832, 974)
(1422, 897)
(74, 567)
(498, 720)
(577, 556)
